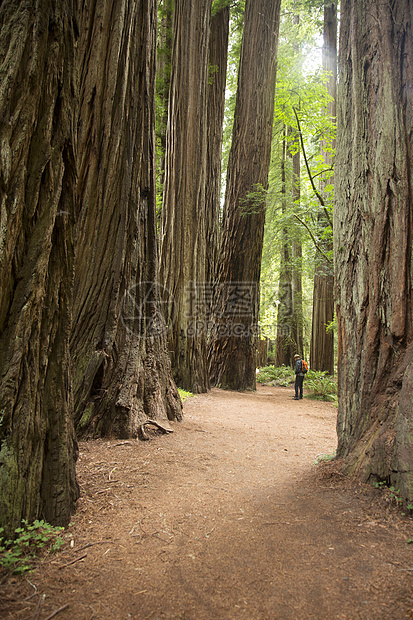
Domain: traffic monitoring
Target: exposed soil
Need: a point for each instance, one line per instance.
(225, 518)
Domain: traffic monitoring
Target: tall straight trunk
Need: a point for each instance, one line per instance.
(218, 53)
(163, 72)
(290, 309)
(373, 230)
(184, 228)
(234, 341)
(297, 337)
(37, 209)
(284, 352)
(121, 371)
(322, 341)
(297, 259)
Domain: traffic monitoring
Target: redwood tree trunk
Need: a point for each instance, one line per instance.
(37, 184)
(322, 342)
(121, 370)
(373, 241)
(284, 352)
(163, 73)
(297, 336)
(218, 53)
(183, 250)
(234, 340)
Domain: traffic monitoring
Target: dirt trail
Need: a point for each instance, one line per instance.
(226, 518)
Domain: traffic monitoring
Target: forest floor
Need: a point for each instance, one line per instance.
(226, 518)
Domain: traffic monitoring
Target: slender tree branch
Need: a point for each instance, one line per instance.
(330, 169)
(317, 245)
(310, 176)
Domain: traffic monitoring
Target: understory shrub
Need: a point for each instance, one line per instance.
(321, 386)
(281, 375)
(17, 555)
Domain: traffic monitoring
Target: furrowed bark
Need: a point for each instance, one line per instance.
(373, 242)
(234, 341)
(184, 227)
(120, 366)
(37, 184)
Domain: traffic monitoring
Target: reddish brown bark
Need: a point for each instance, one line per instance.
(234, 340)
(37, 184)
(121, 367)
(184, 227)
(218, 53)
(322, 341)
(373, 241)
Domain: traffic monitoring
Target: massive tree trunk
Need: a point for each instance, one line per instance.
(37, 184)
(183, 259)
(121, 370)
(218, 52)
(234, 341)
(373, 241)
(322, 342)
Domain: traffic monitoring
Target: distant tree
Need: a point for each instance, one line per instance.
(163, 78)
(234, 340)
(293, 214)
(285, 349)
(183, 242)
(322, 340)
(296, 256)
(218, 54)
(373, 233)
(37, 196)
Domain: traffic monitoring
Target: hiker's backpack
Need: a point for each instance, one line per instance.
(304, 366)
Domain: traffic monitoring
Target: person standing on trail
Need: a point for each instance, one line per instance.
(299, 377)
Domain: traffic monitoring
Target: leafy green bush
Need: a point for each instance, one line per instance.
(17, 556)
(282, 375)
(321, 386)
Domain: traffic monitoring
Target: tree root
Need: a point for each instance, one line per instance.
(142, 433)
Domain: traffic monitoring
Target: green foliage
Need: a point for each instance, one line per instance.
(379, 485)
(184, 394)
(282, 375)
(254, 201)
(212, 70)
(271, 356)
(393, 496)
(218, 5)
(332, 327)
(17, 556)
(324, 458)
(302, 121)
(321, 386)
